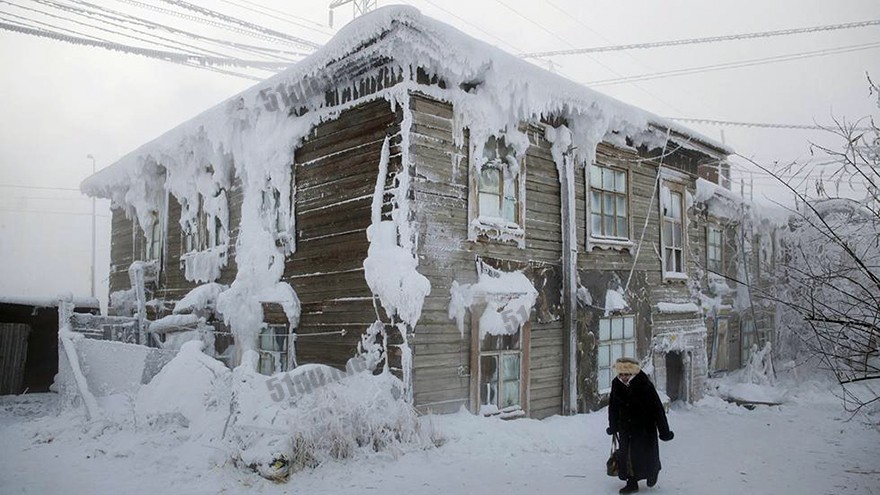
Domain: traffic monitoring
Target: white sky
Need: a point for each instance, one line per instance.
(62, 102)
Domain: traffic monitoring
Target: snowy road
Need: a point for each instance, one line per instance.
(803, 447)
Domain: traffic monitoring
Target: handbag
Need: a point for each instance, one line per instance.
(611, 466)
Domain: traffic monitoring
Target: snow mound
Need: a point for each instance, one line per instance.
(191, 391)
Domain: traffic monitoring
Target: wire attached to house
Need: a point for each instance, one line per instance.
(648, 215)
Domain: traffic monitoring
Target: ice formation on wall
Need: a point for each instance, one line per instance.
(509, 298)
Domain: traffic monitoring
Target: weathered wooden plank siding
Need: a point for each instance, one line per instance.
(126, 237)
(127, 245)
(335, 175)
(441, 352)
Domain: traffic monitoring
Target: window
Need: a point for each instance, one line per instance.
(672, 206)
(713, 249)
(748, 337)
(498, 184)
(616, 339)
(272, 209)
(215, 231)
(500, 373)
(608, 203)
(496, 205)
(273, 349)
(154, 236)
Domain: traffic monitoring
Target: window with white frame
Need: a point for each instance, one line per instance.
(274, 343)
(673, 230)
(498, 190)
(496, 205)
(617, 339)
(714, 253)
(609, 203)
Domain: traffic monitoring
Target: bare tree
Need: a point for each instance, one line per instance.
(828, 272)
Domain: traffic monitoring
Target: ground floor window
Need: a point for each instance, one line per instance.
(500, 377)
(501, 373)
(616, 339)
(274, 340)
(748, 336)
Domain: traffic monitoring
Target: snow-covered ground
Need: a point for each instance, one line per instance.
(805, 446)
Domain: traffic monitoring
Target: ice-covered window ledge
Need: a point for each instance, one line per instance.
(510, 412)
(610, 244)
(497, 229)
(204, 266)
(675, 277)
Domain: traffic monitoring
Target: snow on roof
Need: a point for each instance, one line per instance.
(50, 302)
(403, 34)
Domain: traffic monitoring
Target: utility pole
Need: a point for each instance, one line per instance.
(359, 7)
(92, 277)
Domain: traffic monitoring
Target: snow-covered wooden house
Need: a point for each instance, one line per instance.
(497, 233)
(738, 273)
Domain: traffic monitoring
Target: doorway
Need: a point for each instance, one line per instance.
(675, 387)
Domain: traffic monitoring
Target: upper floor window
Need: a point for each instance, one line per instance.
(714, 251)
(271, 207)
(496, 206)
(673, 230)
(154, 236)
(609, 211)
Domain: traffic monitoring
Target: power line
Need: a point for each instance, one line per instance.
(709, 39)
(124, 17)
(197, 61)
(208, 22)
(735, 65)
(281, 16)
(762, 125)
(248, 25)
(637, 86)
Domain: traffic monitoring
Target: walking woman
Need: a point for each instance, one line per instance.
(636, 414)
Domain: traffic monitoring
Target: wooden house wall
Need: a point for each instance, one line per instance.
(126, 242)
(440, 188)
(335, 175)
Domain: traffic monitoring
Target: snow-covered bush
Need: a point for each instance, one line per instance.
(340, 415)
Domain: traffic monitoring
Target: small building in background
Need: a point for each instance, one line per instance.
(29, 341)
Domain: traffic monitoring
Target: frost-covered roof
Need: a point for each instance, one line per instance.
(506, 82)
(49, 302)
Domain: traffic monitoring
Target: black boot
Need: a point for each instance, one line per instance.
(632, 486)
(652, 480)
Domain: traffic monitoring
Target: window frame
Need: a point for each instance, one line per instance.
(477, 353)
(609, 343)
(153, 240)
(673, 187)
(496, 229)
(718, 247)
(272, 356)
(603, 238)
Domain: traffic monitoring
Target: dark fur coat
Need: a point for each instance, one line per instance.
(636, 414)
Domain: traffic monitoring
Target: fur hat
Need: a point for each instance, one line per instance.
(626, 366)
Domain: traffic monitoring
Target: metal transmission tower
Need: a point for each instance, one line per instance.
(359, 7)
